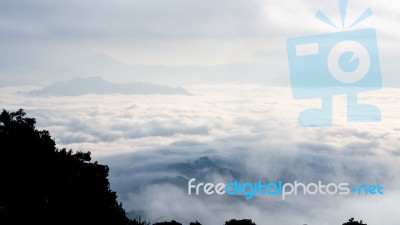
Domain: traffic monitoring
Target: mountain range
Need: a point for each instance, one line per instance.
(97, 85)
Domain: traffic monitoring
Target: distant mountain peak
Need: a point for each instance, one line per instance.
(97, 85)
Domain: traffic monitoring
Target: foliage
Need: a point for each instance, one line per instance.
(240, 222)
(195, 223)
(41, 184)
(354, 222)
(173, 222)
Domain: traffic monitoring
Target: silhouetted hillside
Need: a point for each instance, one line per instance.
(40, 184)
(96, 85)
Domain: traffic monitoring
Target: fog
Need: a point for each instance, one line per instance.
(155, 143)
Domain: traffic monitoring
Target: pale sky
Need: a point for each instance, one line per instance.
(44, 40)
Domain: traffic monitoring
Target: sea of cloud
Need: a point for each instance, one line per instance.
(153, 143)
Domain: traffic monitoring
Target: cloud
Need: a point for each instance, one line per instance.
(175, 42)
(154, 143)
(129, 19)
(175, 19)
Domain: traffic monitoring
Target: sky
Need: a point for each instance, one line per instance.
(173, 42)
(239, 119)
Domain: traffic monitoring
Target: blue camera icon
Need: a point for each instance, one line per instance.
(325, 65)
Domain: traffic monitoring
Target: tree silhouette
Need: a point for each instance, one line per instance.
(195, 223)
(239, 222)
(173, 222)
(40, 184)
(354, 222)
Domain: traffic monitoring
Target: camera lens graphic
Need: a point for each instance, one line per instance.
(349, 62)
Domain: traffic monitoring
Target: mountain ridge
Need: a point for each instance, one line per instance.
(97, 85)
